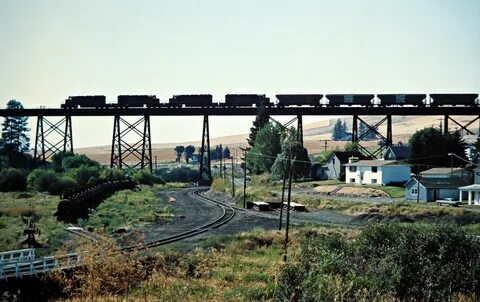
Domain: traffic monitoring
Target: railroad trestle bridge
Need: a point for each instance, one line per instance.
(141, 149)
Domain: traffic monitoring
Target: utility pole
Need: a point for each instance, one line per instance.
(325, 144)
(418, 185)
(288, 211)
(283, 197)
(245, 180)
(233, 179)
(155, 163)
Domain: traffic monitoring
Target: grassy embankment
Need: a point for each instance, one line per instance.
(125, 209)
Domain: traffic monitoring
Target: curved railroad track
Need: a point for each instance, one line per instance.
(228, 212)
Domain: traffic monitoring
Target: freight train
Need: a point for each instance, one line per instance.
(284, 100)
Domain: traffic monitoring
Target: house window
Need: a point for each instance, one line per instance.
(352, 169)
(374, 180)
(374, 169)
(352, 180)
(414, 191)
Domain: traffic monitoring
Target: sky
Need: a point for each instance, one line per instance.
(50, 50)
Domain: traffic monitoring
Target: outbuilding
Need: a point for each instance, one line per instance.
(431, 189)
(378, 171)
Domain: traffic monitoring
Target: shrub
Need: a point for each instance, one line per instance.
(57, 160)
(77, 161)
(40, 179)
(112, 175)
(387, 262)
(182, 174)
(12, 179)
(61, 185)
(85, 175)
(145, 177)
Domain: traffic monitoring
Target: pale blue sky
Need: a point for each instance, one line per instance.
(52, 49)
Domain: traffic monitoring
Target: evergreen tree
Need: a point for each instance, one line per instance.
(261, 120)
(14, 131)
(226, 152)
(15, 142)
(339, 131)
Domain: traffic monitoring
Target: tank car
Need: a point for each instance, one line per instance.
(336, 100)
(453, 99)
(246, 100)
(138, 101)
(401, 99)
(298, 100)
(86, 101)
(193, 100)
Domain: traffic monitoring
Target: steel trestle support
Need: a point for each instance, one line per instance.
(131, 155)
(52, 138)
(358, 136)
(463, 129)
(205, 170)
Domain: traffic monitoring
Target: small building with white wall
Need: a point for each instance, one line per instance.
(473, 190)
(379, 171)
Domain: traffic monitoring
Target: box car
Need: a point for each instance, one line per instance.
(298, 100)
(246, 100)
(401, 99)
(453, 99)
(85, 101)
(336, 100)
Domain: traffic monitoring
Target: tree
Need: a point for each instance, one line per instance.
(351, 146)
(261, 157)
(293, 153)
(430, 147)
(339, 131)
(226, 152)
(261, 120)
(188, 152)
(15, 141)
(179, 151)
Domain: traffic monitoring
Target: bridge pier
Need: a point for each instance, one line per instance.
(131, 155)
(300, 129)
(463, 128)
(52, 137)
(205, 170)
(358, 136)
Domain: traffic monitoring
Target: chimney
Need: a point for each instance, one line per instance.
(352, 159)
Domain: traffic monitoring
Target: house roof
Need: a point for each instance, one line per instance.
(400, 151)
(343, 156)
(442, 170)
(374, 163)
(474, 187)
(441, 183)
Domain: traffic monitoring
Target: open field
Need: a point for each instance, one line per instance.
(403, 128)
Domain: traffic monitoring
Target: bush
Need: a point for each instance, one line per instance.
(77, 161)
(12, 179)
(40, 179)
(387, 262)
(112, 175)
(61, 185)
(85, 175)
(182, 174)
(145, 177)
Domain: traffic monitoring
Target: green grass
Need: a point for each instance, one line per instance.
(127, 209)
(42, 206)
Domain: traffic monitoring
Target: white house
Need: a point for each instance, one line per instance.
(379, 171)
(472, 190)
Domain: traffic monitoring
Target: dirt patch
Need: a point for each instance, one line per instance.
(328, 190)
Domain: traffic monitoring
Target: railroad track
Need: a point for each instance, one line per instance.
(228, 213)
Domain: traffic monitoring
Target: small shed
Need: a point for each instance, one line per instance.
(334, 166)
(432, 189)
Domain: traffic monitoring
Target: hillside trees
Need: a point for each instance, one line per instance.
(339, 131)
(179, 151)
(430, 147)
(188, 152)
